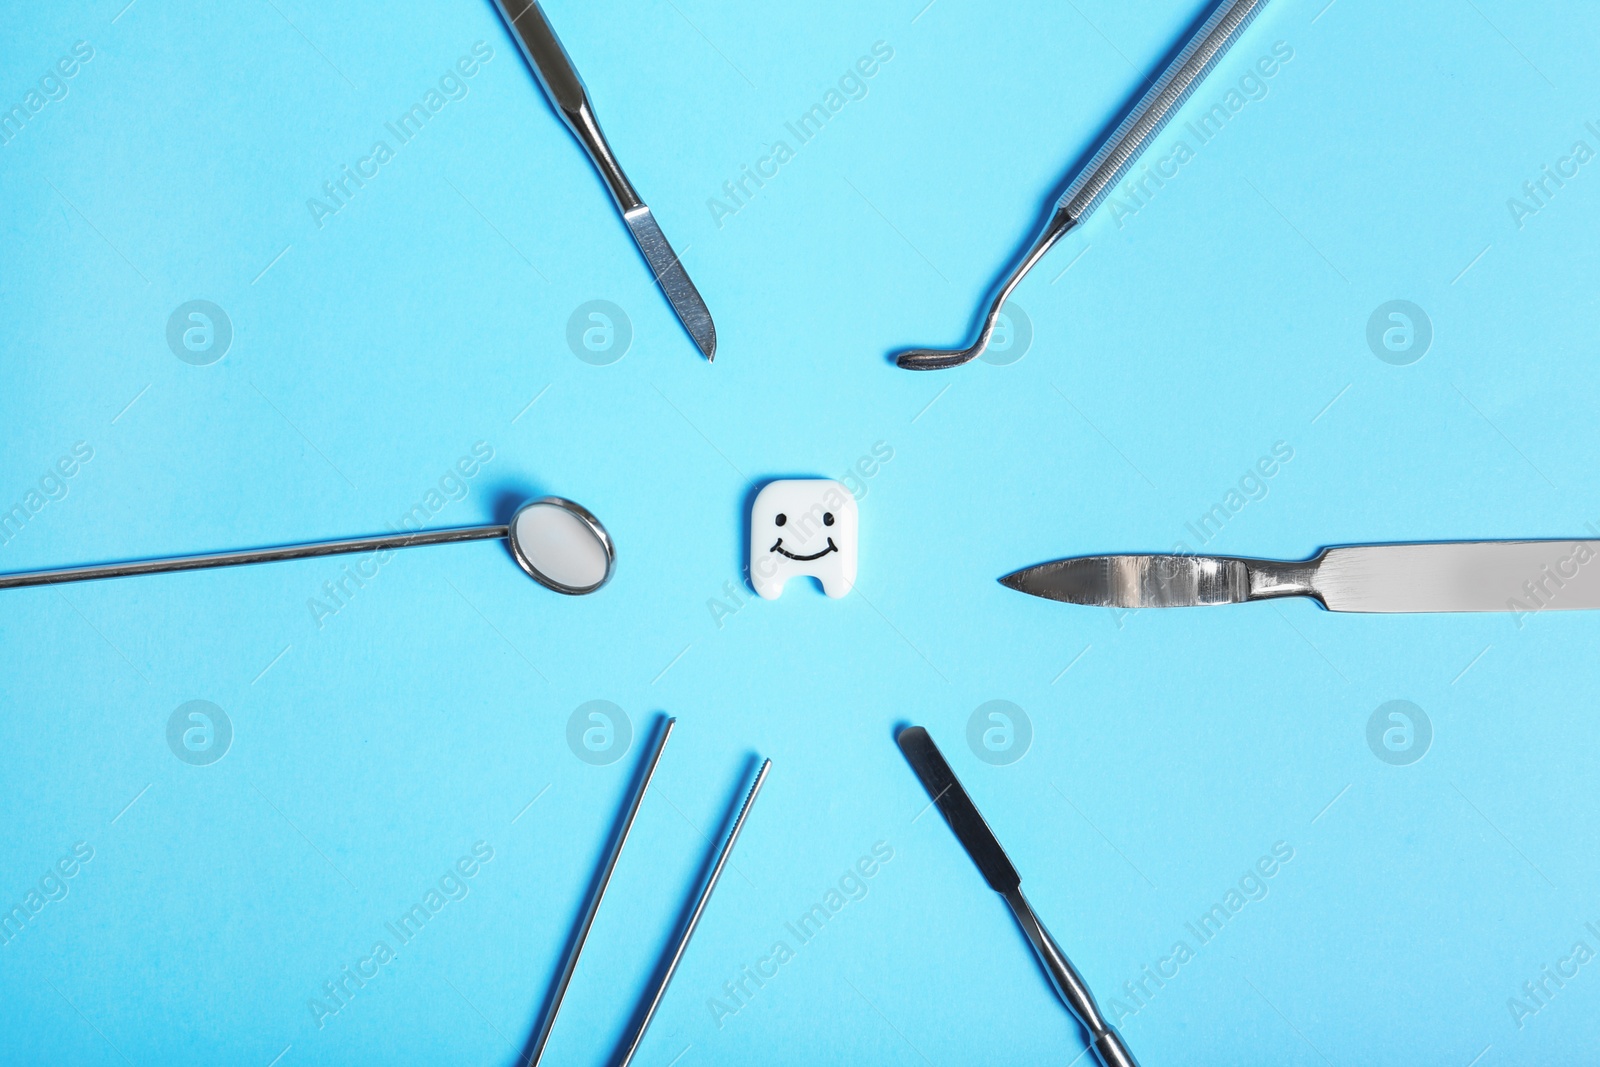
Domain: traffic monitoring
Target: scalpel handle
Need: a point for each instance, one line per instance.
(559, 79)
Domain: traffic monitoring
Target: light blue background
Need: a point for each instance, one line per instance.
(1170, 751)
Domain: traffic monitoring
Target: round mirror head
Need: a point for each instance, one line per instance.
(561, 545)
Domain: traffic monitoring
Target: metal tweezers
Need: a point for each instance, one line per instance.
(680, 943)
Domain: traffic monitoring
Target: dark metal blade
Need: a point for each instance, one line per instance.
(958, 810)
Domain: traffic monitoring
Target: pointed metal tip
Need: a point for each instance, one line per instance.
(1081, 580)
(700, 326)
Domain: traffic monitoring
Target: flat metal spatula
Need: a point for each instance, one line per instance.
(995, 866)
(1519, 576)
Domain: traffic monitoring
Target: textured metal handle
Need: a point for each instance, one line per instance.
(1150, 115)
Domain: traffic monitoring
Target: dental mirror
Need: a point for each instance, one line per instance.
(557, 543)
(561, 546)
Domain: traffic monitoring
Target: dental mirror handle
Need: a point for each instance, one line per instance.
(253, 555)
(561, 83)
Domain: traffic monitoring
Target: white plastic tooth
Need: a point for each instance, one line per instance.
(808, 527)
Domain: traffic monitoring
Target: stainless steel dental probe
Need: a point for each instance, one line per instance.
(658, 988)
(1101, 174)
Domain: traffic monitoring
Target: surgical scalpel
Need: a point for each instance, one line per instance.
(1516, 576)
(560, 81)
(1120, 151)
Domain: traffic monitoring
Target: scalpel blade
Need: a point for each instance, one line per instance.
(673, 279)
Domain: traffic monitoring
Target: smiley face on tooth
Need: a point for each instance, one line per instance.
(777, 546)
(807, 527)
